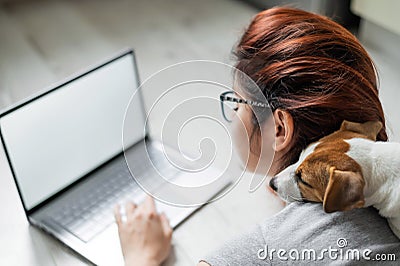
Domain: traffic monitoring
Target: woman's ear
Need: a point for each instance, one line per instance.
(284, 129)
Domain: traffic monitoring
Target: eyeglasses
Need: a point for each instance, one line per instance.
(229, 104)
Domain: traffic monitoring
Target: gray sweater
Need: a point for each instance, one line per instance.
(303, 234)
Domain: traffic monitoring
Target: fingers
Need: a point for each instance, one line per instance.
(149, 204)
(165, 225)
(117, 215)
(129, 209)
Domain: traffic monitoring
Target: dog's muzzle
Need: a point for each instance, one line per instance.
(272, 184)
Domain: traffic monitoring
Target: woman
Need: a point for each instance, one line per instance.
(314, 74)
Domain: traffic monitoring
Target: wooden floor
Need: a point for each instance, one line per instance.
(44, 41)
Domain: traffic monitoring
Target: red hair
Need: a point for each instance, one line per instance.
(313, 68)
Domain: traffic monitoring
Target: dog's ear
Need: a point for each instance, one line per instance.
(370, 129)
(345, 191)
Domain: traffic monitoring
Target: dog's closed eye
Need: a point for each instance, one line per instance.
(299, 179)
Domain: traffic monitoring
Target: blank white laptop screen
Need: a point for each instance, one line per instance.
(61, 136)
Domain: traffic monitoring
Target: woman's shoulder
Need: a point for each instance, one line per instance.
(306, 226)
(310, 217)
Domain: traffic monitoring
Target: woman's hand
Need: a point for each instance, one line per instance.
(145, 236)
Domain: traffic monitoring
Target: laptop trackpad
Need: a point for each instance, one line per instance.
(105, 247)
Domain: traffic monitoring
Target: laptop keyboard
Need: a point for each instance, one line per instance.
(93, 211)
(90, 211)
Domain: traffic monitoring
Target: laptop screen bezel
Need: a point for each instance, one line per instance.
(50, 90)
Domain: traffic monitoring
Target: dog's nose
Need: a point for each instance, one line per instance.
(272, 184)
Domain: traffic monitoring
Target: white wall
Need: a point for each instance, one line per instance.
(384, 13)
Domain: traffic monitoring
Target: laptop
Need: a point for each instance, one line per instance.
(65, 151)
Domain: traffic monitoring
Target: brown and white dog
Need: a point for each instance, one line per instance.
(345, 170)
